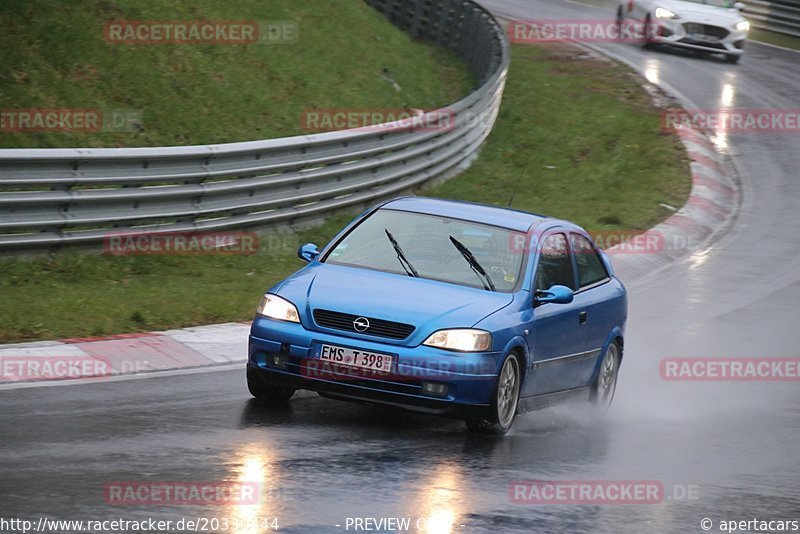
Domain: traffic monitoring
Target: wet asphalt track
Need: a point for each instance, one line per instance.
(734, 444)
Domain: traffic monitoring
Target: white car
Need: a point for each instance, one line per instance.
(715, 26)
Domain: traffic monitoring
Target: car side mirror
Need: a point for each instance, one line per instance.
(556, 295)
(308, 252)
(740, 6)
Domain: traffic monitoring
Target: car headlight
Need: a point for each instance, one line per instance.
(275, 307)
(664, 13)
(742, 26)
(461, 339)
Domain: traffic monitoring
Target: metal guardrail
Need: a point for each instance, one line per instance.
(55, 197)
(780, 16)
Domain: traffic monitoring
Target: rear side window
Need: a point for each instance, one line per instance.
(555, 265)
(590, 266)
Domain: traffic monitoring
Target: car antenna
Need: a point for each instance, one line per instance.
(510, 200)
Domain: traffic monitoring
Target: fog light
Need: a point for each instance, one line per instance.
(278, 361)
(434, 389)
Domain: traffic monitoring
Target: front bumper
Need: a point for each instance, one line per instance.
(696, 35)
(283, 354)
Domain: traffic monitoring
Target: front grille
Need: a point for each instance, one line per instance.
(693, 28)
(377, 327)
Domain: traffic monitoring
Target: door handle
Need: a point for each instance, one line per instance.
(582, 317)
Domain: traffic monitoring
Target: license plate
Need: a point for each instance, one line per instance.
(361, 359)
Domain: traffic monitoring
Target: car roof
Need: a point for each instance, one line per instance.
(509, 218)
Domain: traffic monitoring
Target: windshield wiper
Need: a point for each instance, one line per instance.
(473, 263)
(409, 269)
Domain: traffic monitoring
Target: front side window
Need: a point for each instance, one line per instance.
(555, 264)
(434, 247)
(590, 266)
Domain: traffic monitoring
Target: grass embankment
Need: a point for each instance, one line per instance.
(346, 55)
(577, 137)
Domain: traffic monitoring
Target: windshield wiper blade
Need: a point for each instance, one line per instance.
(409, 269)
(473, 263)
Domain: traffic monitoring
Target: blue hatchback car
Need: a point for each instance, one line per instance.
(445, 307)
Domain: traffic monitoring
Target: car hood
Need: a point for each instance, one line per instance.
(693, 12)
(427, 304)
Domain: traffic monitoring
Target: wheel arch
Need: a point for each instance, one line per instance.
(615, 336)
(519, 347)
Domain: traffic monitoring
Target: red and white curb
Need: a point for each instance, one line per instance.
(102, 358)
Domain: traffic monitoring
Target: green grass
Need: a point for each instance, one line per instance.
(576, 138)
(778, 39)
(55, 56)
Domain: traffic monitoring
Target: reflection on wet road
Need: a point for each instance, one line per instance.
(319, 462)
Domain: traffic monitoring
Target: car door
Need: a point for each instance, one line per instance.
(594, 298)
(555, 332)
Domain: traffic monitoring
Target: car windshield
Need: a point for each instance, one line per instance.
(429, 246)
(715, 3)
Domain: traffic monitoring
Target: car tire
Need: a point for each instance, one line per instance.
(605, 385)
(272, 395)
(732, 58)
(504, 402)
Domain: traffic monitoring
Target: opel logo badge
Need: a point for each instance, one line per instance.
(361, 324)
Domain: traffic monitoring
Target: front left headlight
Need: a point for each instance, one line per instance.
(461, 339)
(275, 307)
(742, 26)
(664, 13)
